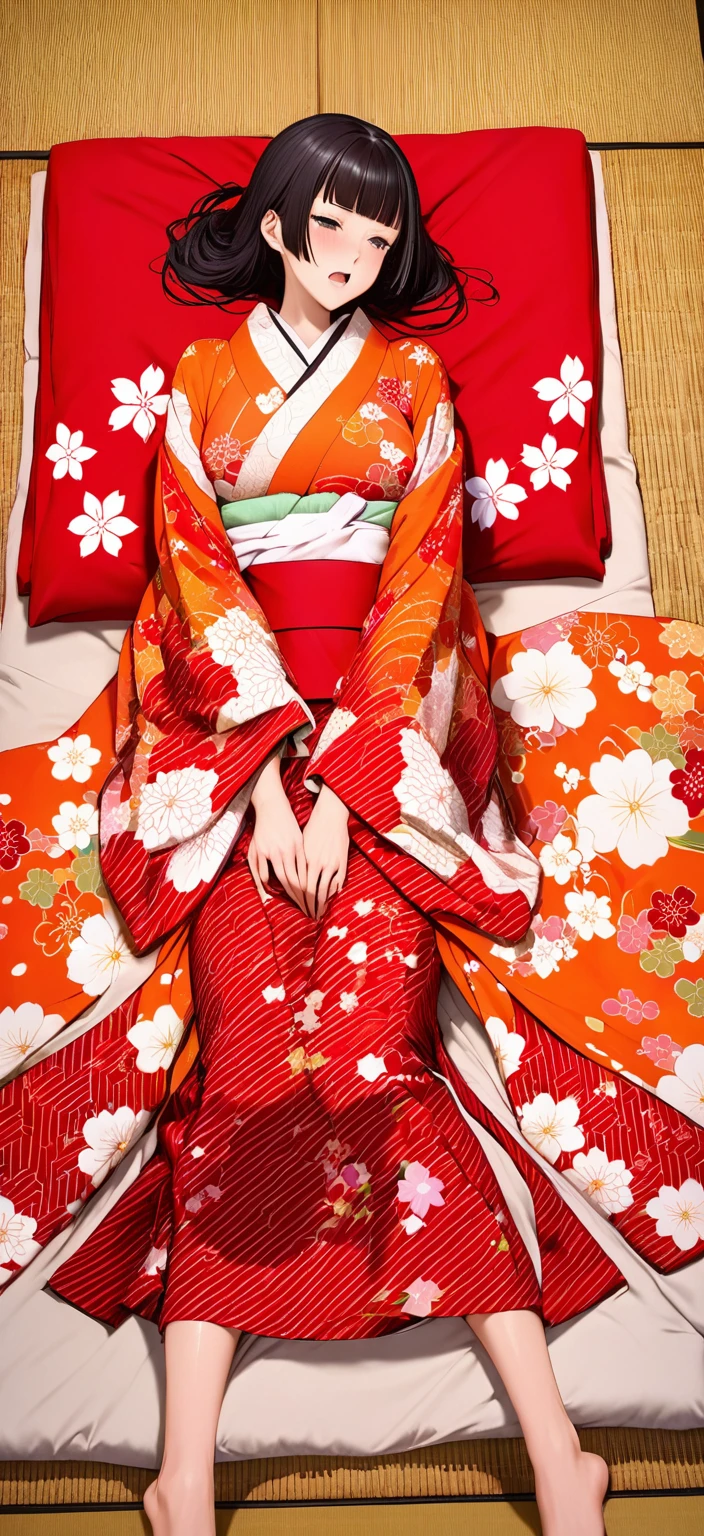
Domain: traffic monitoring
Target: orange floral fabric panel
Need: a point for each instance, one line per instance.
(601, 722)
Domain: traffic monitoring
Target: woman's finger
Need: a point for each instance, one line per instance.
(259, 869)
(313, 877)
(324, 890)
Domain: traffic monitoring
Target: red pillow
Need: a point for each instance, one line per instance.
(516, 201)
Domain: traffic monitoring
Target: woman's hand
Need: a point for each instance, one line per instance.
(277, 838)
(326, 846)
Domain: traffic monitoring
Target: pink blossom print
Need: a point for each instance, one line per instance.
(419, 1189)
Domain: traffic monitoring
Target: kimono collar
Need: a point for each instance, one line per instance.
(278, 353)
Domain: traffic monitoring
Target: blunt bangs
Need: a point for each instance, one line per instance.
(217, 253)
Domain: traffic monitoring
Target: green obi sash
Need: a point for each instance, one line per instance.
(269, 509)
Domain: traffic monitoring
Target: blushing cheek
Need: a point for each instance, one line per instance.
(325, 245)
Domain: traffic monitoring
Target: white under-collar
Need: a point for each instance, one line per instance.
(308, 352)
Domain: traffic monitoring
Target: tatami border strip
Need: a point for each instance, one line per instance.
(43, 154)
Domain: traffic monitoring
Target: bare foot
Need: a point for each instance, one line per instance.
(180, 1506)
(570, 1495)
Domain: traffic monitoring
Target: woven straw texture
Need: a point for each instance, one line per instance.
(640, 1461)
(624, 1517)
(618, 70)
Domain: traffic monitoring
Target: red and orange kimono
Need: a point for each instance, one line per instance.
(312, 1174)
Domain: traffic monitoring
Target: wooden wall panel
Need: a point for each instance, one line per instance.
(617, 69)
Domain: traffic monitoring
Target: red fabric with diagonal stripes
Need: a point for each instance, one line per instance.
(246, 1203)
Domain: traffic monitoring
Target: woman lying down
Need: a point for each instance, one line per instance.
(303, 804)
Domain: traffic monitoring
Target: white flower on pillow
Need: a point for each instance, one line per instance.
(140, 404)
(68, 453)
(101, 523)
(569, 393)
(549, 463)
(493, 494)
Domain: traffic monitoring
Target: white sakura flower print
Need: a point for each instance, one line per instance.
(97, 954)
(493, 494)
(157, 1039)
(155, 1261)
(426, 851)
(589, 914)
(693, 944)
(238, 641)
(371, 412)
(73, 758)
(426, 792)
(604, 1183)
(140, 404)
(508, 1045)
(108, 1137)
(569, 393)
(547, 954)
(371, 1067)
(412, 1224)
(420, 1298)
(23, 1030)
(544, 686)
(685, 1088)
(357, 954)
(75, 825)
(420, 355)
(633, 678)
(274, 994)
(363, 908)
(175, 806)
(199, 858)
(390, 452)
(308, 1016)
(419, 1189)
(436, 815)
(101, 523)
(68, 454)
(270, 402)
(549, 463)
(559, 859)
(349, 1001)
(571, 777)
(551, 1127)
(679, 1213)
(337, 933)
(17, 1245)
(633, 809)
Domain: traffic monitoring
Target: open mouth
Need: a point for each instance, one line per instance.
(339, 277)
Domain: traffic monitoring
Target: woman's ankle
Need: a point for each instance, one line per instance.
(179, 1473)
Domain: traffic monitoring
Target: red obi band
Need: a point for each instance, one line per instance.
(316, 609)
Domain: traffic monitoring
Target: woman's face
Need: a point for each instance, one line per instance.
(347, 251)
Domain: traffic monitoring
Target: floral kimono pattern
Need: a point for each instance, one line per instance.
(313, 1176)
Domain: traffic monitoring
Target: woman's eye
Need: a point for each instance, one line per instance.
(319, 218)
(379, 243)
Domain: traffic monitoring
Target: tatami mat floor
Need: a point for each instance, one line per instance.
(668, 1516)
(618, 70)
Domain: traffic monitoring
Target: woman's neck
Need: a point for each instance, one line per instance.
(302, 312)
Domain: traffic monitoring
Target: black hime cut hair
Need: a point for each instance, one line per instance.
(217, 253)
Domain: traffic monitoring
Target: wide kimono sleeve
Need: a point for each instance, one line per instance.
(204, 697)
(411, 746)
